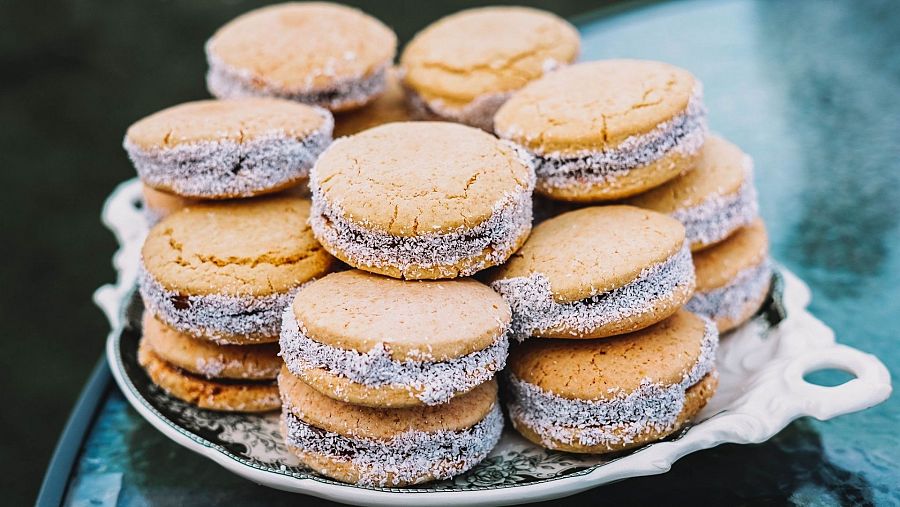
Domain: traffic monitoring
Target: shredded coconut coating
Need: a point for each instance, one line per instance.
(479, 113)
(718, 216)
(730, 301)
(226, 82)
(652, 407)
(406, 458)
(534, 309)
(510, 219)
(215, 316)
(684, 134)
(432, 382)
(215, 169)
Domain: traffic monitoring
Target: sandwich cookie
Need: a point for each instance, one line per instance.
(713, 200)
(313, 52)
(215, 377)
(389, 446)
(214, 149)
(421, 200)
(733, 277)
(596, 272)
(599, 396)
(607, 129)
(226, 271)
(465, 66)
(376, 341)
(387, 108)
(158, 204)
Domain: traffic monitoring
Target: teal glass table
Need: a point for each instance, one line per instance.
(812, 90)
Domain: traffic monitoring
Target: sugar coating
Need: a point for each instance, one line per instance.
(685, 134)
(718, 216)
(212, 367)
(731, 300)
(432, 382)
(652, 407)
(534, 310)
(225, 82)
(406, 458)
(224, 168)
(215, 316)
(510, 219)
(477, 113)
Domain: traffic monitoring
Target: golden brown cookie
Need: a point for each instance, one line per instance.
(371, 340)
(713, 200)
(387, 108)
(464, 66)
(421, 200)
(208, 359)
(607, 129)
(733, 277)
(312, 52)
(159, 204)
(211, 394)
(598, 396)
(389, 446)
(596, 272)
(227, 270)
(221, 149)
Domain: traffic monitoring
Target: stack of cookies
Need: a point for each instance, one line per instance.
(648, 247)
(224, 182)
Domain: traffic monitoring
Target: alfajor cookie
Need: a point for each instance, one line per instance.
(607, 129)
(393, 446)
(371, 340)
(599, 396)
(217, 377)
(158, 204)
(713, 200)
(596, 272)
(387, 108)
(421, 200)
(225, 271)
(465, 66)
(733, 277)
(312, 52)
(214, 149)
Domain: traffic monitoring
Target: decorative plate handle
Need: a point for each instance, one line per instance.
(122, 214)
(871, 385)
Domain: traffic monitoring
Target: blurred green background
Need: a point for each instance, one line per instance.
(75, 75)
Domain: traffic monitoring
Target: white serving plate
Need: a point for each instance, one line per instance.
(761, 390)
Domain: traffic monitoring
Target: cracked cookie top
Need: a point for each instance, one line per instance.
(663, 354)
(416, 178)
(594, 106)
(419, 321)
(235, 120)
(237, 248)
(304, 46)
(486, 50)
(593, 250)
